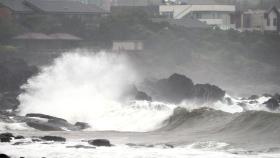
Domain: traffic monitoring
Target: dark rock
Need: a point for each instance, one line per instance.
(82, 125)
(272, 104)
(277, 97)
(19, 137)
(43, 126)
(53, 138)
(10, 135)
(14, 72)
(4, 156)
(6, 137)
(175, 89)
(253, 102)
(178, 88)
(81, 147)
(133, 93)
(52, 123)
(46, 117)
(22, 143)
(142, 96)
(228, 101)
(253, 97)
(208, 93)
(36, 140)
(100, 142)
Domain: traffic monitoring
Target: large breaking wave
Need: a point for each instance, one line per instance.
(84, 86)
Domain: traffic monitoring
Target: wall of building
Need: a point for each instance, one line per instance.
(271, 23)
(5, 12)
(218, 15)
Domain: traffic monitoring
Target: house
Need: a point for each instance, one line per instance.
(13, 8)
(127, 46)
(208, 11)
(41, 41)
(260, 20)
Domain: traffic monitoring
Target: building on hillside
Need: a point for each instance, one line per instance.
(260, 20)
(127, 46)
(208, 11)
(13, 8)
(40, 41)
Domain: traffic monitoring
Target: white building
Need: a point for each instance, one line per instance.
(127, 46)
(207, 11)
(260, 20)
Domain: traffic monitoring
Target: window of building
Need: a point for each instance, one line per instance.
(268, 22)
(275, 22)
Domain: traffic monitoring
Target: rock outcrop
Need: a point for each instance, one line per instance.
(178, 88)
(50, 123)
(53, 138)
(100, 142)
(272, 104)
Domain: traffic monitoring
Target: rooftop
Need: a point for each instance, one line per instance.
(63, 6)
(42, 36)
(15, 5)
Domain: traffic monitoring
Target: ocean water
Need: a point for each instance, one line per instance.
(88, 87)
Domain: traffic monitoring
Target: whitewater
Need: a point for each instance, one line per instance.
(90, 87)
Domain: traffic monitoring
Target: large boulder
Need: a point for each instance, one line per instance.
(100, 142)
(49, 123)
(175, 89)
(53, 138)
(272, 104)
(4, 156)
(178, 88)
(82, 125)
(208, 93)
(6, 137)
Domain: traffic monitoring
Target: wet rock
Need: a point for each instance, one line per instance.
(178, 88)
(228, 101)
(4, 156)
(43, 126)
(81, 147)
(253, 97)
(53, 138)
(272, 104)
(49, 124)
(253, 102)
(100, 142)
(82, 125)
(19, 137)
(6, 137)
(10, 135)
(55, 119)
(142, 96)
(175, 89)
(277, 97)
(208, 93)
